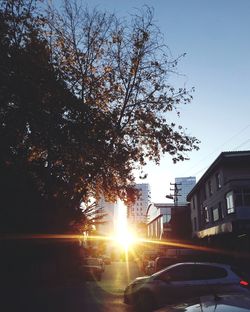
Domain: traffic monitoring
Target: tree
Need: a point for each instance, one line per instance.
(84, 100)
(37, 133)
(120, 71)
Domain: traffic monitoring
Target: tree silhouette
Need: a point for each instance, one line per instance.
(84, 101)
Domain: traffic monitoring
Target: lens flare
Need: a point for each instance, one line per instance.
(123, 236)
(125, 239)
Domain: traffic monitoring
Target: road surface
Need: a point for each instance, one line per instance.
(85, 296)
(107, 295)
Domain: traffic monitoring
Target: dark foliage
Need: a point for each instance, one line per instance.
(37, 131)
(79, 109)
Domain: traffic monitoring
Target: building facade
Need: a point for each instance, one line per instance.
(137, 213)
(220, 201)
(108, 223)
(158, 223)
(184, 185)
(168, 221)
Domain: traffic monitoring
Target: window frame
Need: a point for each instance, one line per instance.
(230, 206)
(206, 214)
(215, 209)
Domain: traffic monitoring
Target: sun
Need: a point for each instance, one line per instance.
(124, 237)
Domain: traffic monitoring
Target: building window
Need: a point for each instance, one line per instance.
(218, 181)
(193, 201)
(166, 218)
(206, 215)
(229, 202)
(215, 214)
(210, 187)
(242, 197)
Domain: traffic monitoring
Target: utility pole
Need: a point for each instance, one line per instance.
(175, 193)
(174, 211)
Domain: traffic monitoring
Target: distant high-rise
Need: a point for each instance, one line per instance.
(107, 227)
(137, 211)
(184, 186)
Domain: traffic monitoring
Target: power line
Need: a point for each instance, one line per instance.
(244, 143)
(219, 148)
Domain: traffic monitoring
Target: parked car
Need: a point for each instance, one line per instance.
(92, 268)
(233, 302)
(181, 281)
(106, 259)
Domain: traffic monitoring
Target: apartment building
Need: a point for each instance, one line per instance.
(220, 201)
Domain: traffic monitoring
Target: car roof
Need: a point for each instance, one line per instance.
(233, 302)
(202, 263)
(221, 265)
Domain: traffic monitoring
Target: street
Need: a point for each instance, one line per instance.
(107, 295)
(103, 296)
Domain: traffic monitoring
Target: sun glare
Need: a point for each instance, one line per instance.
(124, 238)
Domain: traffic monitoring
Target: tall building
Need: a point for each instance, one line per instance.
(107, 227)
(138, 211)
(184, 185)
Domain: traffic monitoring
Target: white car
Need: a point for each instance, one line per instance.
(181, 281)
(233, 302)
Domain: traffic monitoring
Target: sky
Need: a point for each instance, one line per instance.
(215, 34)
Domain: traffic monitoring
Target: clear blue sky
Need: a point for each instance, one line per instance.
(215, 34)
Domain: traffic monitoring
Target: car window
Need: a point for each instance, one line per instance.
(194, 272)
(201, 272)
(179, 273)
